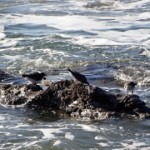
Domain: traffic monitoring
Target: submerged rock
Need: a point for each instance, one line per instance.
(4, 75)
(76, 99)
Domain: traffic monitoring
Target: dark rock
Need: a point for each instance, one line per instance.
(33, 87)
(17, 100)
(18, 94)
(45, 99)
(76, 99)
(6, 86)
(129, 102)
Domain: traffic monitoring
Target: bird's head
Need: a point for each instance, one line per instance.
(44, 78)
(43, 74)
(68, 70)
(133, 83)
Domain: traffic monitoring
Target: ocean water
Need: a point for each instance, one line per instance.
(107, 40)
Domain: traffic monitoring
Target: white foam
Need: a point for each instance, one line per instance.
(49, 133)
(20, 135)
(58, 143)
(100, 138)
(1, 126)
(121, 128)
(147, 43)
(144, 15)
(54, 53)
(2, 118)
(2, 36)
(69, 136)
(28, 144)
(6, 133)
(144, 148)
(7, 43)
(122, 76)
(20, 125)
(90, 128)
(94, 41)
(12, 58)
(103, 144)
(131, 144)
(72, 22)
(131, 5)
(103, 29)
(146, 52)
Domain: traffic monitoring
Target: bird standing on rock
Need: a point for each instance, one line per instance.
(130, 86)
(35, 77)
(78, 77)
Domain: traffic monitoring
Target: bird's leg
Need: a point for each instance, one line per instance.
(126, 92)
(132, 92)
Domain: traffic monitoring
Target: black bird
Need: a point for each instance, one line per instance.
(78, 77)
(129, 86)
(35, 77)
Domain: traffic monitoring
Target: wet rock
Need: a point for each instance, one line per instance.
(129, 103)
(16, 100)
(18, 94)
(32, 87)
(76, 99)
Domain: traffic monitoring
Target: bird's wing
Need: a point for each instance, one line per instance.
(35, 75)
(81, 77)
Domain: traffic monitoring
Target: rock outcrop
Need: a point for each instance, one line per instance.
(76, 99)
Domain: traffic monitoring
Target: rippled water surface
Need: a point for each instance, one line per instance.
(107, 40)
